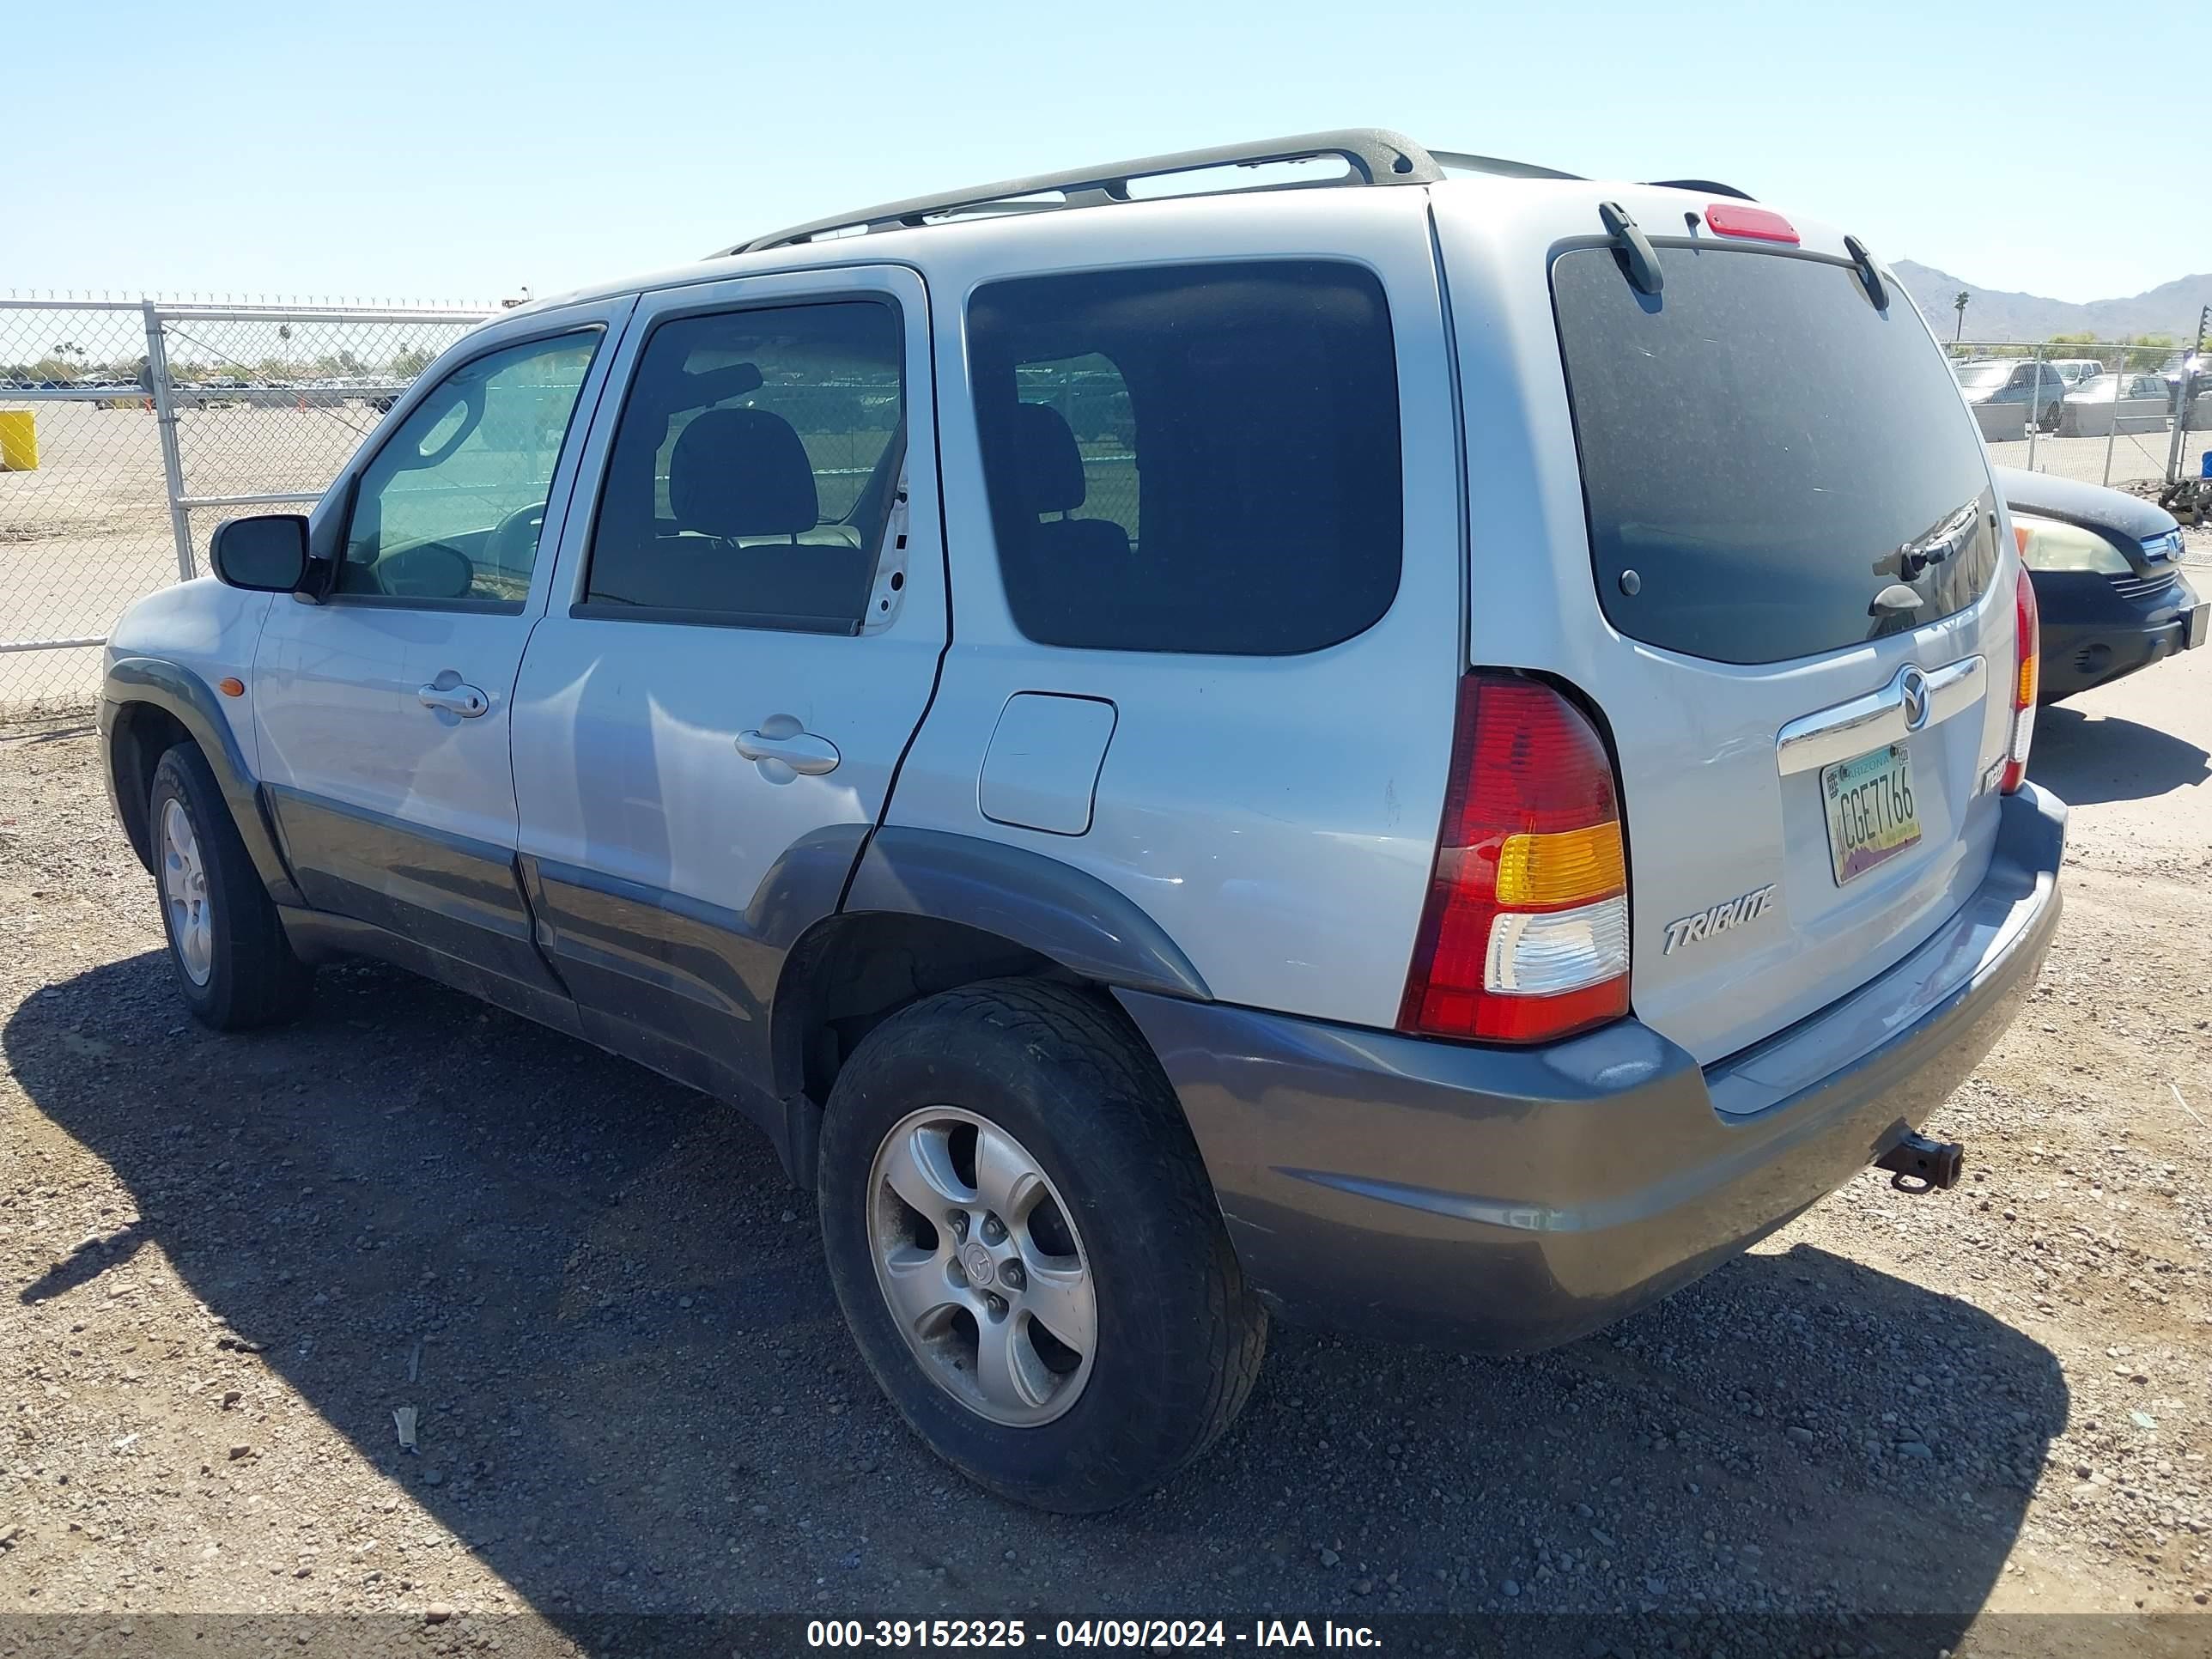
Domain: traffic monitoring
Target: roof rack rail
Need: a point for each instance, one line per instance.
(1703, 186)
(1458, 161)
(1372, 155)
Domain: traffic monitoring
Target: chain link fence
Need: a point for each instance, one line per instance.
(2102, 414)
(129, 430)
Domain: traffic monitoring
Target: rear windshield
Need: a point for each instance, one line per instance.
(1764, 454)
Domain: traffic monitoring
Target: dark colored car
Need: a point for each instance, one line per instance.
(2108, 581)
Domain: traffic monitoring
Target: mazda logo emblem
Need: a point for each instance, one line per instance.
(1912, 687)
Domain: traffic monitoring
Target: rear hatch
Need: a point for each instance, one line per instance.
(1790, 598)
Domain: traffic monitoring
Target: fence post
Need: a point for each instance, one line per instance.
(2034, 406)
(172, 463)
(2112, 432)
(2191, 357)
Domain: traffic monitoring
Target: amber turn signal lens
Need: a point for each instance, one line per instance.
(231, 688)
(1568, 866)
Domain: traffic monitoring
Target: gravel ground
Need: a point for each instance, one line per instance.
(1914, 1420)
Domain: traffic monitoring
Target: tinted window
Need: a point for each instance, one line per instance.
(453, 504)
(1767, 452)
(1192, 458)
(754, 467)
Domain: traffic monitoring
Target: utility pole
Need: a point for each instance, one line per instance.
(1958, 305)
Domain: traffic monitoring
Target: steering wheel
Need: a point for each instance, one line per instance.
(513, 543)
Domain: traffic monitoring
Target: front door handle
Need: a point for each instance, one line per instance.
(780, 741)
(447, 692)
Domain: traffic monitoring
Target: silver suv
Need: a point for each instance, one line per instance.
(1435, 754)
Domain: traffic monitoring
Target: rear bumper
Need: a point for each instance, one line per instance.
(2091, 634)
(1504, 1199)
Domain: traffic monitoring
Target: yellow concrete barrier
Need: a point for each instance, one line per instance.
(19, 440)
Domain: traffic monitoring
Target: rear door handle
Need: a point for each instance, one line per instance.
(781, 739)
(448, 693)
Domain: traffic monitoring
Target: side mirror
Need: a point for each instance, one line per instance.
(264, 555)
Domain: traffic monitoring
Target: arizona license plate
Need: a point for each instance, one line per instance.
(1872, 816)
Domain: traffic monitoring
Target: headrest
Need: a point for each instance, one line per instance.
(1051, 466)
(742, 472)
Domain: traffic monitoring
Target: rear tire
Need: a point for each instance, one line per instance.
(226, 946)
(1026, 1086)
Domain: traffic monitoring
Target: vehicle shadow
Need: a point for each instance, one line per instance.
(636, 1396)
(2087, 758)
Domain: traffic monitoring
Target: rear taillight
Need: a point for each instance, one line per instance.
(1524, 937)
(2027, 663)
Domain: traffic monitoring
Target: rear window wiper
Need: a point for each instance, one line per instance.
(1870, 278)
(1953, 532)
(1634, 247)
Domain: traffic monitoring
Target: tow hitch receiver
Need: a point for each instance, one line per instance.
(1933, 1164)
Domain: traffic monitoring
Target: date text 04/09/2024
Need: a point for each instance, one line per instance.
(1138, 1633)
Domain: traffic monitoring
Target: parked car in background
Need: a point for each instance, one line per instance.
(2006, 394)
(2109, 589)
(1142, 902)
(2105, 404)
(2074, 370)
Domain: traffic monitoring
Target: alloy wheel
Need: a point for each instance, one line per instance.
(184, 894)
(979, 1262)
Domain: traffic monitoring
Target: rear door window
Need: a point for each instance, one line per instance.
(1197, 458)
(754, 469)
(1764, 454)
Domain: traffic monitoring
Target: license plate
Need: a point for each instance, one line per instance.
(1872, 816)
(2193, 634)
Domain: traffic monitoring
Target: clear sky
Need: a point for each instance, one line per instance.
(405, 149)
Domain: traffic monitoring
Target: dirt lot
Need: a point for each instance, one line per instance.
(1907, 1424)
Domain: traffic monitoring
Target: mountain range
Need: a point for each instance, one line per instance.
(2170, 309)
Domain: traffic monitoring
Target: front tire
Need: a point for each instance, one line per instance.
(227, 946)
(1026, 1247)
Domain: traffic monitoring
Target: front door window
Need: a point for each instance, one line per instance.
(453, 505)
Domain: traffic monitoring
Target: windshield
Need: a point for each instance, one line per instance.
(1764, 452)
(1977, 376)
(2100, 387)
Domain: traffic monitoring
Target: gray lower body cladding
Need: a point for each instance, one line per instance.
(1509, 1199)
